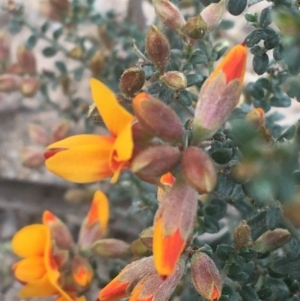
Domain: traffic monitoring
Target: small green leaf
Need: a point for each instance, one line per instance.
(248, 294)
(251, 18)
(236, 7)
(31, 42)
(49, 51)
(265, 17)
(61, 67)
(45, 27)
(194, 79)
(224, 251)
(273, 218)
(282, 102)
(166, 95)
(14, 26)
(255, 91)
(78, 74)
(58, 32)
(185, 98)
(255, 37)
(260, 64)
(222, 155)
(155, 88)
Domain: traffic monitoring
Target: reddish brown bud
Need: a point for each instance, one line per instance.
(59, 231)
(169, 14)
(9, 83)
(61, 4)
(29, 86)
(195, 28)
(256, 117)
(272, 240)
(198, 169)
(213, 14)
(38, 134)
(146, 236)
(139, 133)
(60, 131)
(155, 161)
(132, 80)
(158, 118)
(174, 80)
(158, 48)
(15, 69)
(26, 59)
(138, 248)
(4, 47)
(242, 235)
(206, 276)
(97, 63)
(31, 157)
(111, 248)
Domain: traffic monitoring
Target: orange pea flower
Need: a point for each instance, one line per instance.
(88, 158)
(220, 93)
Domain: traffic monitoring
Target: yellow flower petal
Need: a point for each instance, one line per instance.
(83, 164)
(113, 114)
(38, 288)
(30, 269)
(30, 241)
(79, 140)
(99, 211)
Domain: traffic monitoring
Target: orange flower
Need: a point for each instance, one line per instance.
(38, 270)
(173, 224)
(166, 180)
(220, 93)
(89, 158)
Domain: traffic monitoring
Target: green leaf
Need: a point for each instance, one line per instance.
(166, 95)
(45, 27)
(224, 251)
(272, 40)
(251, 18)
(57, 33)
(194, 79)
(31, 42)
(222, 155)
(255, 91)
(264, 293)
(265, 17)
(155, 88)
(248, 294)
(78, 74)
(273, 218)
(185, 98)
(61, 67)
(260, 64)
(49, 51)
(282, 102)
(255, 37)
(14, 26)
(236, 7)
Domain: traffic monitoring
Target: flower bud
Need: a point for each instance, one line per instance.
(165, 125)
(29, 86)
(173, 224)
(256, 117)
(111, 248)
(154, 161)
(9, 83)
(272, 240)
(174, 80)
(132, 80)
(212, 14)
(153, 287)
(199, 169)
(166, 181)
(61, 4)
(95, 223)
(82, 271)
(26, 59)
(195, 28)
(60, 131)
(15, 69)
(242, 235)
(158, 48)
(4, 47)
(220, 94)
(169, 14)
(97, 63)
(76, 53)
(38, 134)
(120, 286)
(31, 157)
(146, 236)
(138, 248)
(139, 133)
(206, 276)
(59, 231)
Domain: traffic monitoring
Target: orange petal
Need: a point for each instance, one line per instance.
(30, 241)
(30, 269)
(167, 179)
(113, 114)
(135, 295)
(216, 294)
(233, 64)
(113, 291)
(99, 211)
(38, 288)
(83, 164)
(166, 249)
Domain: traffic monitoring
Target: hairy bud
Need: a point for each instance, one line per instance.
(174, 80)
(29, 86)
(146, 236)
(97, 63)
(132, 80)
(242, 235)
(158, 48)
(256, 117)
(212, 14)
(111, 248)
(26, 59)
(9, 83)
(195, 28)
